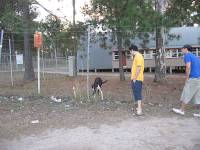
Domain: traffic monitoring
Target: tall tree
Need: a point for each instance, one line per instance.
(125, 19)
(26, 12)
(52, 27)
(183, 12)
(59, 34)
(10, 21)
(17, 16)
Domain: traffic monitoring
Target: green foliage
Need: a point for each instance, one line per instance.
(127, 19)
(11, 17)
(51, 28)
(131, 18)
(60, 35)
(183, 12)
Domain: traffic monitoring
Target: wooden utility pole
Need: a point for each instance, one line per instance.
(75, 47)
(88, 62)
(74, 11)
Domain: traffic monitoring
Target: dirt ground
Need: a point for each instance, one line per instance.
(35, 122)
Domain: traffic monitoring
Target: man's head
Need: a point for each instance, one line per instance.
(186, 48)
(133, 49)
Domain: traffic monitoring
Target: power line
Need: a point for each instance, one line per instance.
(82, 30)
(48, 11)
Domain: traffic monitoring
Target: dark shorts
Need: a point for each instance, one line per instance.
(137, 90)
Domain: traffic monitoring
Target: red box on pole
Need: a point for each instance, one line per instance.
(37, 39)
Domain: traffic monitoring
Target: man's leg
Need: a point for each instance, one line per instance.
(139, 108)
(183, 106)
(180, 111)
(138, 96)
(134, 91)
(133, 96)
(186, 96)
(139, 104)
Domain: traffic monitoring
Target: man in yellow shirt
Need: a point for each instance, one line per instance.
(137, 76)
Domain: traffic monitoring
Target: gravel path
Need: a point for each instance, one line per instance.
(132, 134)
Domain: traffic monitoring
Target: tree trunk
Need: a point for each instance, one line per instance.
(160, 69)
(159, 57)
(119, 46)
(29, 72)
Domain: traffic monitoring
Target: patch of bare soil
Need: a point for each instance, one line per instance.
(29, 121)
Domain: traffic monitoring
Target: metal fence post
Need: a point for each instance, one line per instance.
(11, 68)
(1, 43)
(38, 51)
(88, 61)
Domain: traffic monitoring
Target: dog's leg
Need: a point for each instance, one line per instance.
(99, 89)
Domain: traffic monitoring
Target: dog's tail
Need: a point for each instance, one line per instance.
(104, 81)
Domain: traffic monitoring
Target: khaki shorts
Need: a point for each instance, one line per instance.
(191, 91)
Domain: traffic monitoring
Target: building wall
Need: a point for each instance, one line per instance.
(100, 58)
(150, 63)
(173, 58)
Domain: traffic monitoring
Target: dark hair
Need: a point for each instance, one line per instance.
(188, 47)
(133, 47)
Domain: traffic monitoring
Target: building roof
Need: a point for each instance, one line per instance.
(188, 35)
(175, 38)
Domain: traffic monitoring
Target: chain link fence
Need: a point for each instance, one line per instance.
(51, 69)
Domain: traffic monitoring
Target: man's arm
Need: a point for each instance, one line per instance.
(138, 69)
(188, 66)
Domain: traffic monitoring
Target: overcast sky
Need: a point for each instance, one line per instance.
(62, 8)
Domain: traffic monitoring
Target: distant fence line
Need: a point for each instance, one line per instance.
(47, 64)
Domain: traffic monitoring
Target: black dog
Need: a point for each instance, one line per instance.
(96, 86)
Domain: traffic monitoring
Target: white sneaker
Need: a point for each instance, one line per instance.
(139, 111)
(178, 111)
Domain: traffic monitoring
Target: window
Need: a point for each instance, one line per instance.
(174, 53)
(128, 55)
(194, 51)
(198, 50)
(180, 53)
(147, 54)
(116, 55)
(147, 51)
(154, 53)
(168, 54)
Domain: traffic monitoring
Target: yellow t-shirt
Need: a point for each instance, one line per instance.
(138, 62)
